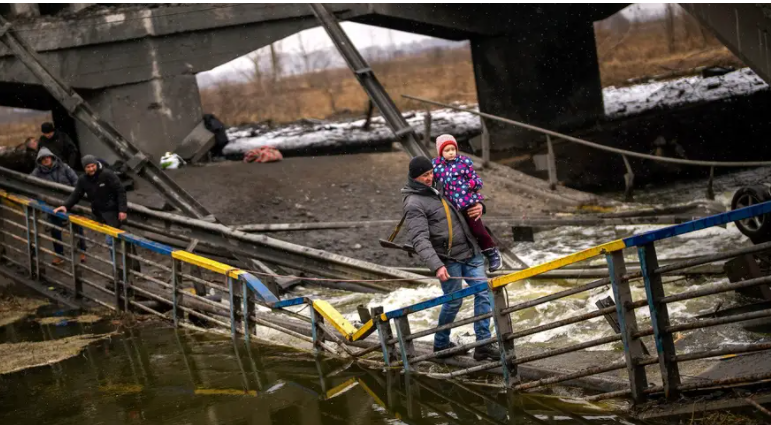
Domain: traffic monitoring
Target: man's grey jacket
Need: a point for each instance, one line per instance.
(429, 232)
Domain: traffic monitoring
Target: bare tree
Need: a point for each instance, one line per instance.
(304, 53)
(670, 26)
(275, 61)
(256, 74)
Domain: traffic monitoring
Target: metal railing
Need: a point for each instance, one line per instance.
(144, 275)
(624, 311)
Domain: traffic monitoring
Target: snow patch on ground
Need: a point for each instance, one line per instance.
(633, 100)
(619, 102)
(350, 133)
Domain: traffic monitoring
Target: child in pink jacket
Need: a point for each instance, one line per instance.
(461, 186)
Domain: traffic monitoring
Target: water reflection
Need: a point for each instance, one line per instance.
(164, 376)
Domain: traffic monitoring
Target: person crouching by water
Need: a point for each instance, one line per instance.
(50, 167)
(436, 228)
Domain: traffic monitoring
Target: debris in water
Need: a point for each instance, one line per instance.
(85, 318)
(13, 308)
(26, 355)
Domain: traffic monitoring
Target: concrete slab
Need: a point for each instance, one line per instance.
(195, 145)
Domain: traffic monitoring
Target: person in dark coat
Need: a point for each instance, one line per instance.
(220, 136)
(107, 196)
(50, 168)
(429, 218)
(103, 189)
(59, 143)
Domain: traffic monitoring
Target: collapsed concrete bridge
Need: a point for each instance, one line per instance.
(136, 64)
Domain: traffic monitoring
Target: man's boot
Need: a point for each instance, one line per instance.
(485, 352)
(447, 347)
(493, 258)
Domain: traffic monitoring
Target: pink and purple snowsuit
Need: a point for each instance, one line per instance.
(461, 187)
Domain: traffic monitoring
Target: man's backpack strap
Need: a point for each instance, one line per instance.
(449, 224)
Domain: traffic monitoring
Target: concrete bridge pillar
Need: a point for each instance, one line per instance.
(542, 75)
(156, 115)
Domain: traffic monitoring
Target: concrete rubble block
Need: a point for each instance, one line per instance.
(196, 144)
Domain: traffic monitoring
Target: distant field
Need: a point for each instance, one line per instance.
(14, 133)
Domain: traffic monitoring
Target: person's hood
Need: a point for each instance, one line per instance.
(414, 187)
(43, 152)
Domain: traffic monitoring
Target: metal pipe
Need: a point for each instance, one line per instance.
(517, 361)
(204, 282)
(563, 294)
(99, 288)
(567, 377)
(150, 279)
(94, 271)
(12, 261)
(124, 273)
(50, 267)
(452, 325)
(150, 263)
(12, 248)
(147, 309)
(15, 237)
(450, 351)
(18, 212)
(565, 350)
(565, 322)
(719, 321)
(92, 256)
(46, 223)
(93, 241)
(15, 224)
(30, 253)
(730, 350)
(714, 257)
(716, 289)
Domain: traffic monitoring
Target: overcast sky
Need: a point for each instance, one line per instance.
(365, 36)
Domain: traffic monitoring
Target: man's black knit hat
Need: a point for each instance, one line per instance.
(419, 165)
(46, 128)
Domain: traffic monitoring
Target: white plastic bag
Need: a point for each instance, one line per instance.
(171, 161)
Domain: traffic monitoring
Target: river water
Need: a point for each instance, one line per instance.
(159, 375)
